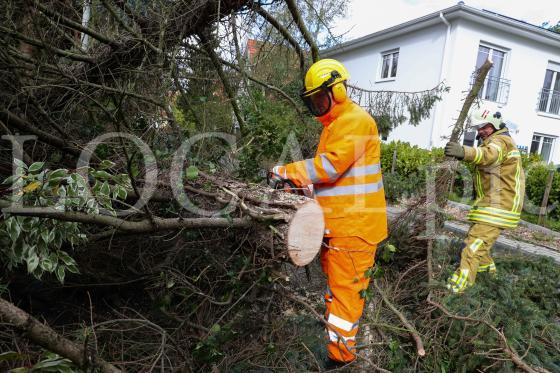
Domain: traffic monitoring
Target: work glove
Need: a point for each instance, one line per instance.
(275, 177)
(452, 149)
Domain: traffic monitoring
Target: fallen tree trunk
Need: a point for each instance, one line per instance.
(296, 222)
(46, 337)
(292, 225)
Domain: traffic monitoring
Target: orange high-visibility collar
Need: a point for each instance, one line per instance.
(335, 112)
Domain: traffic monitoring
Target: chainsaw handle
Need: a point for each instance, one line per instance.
(278, 183)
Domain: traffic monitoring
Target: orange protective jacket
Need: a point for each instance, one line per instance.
(346, 174)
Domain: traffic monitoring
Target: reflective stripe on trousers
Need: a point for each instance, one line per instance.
(345, 268)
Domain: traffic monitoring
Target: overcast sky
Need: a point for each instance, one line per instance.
(367, 16)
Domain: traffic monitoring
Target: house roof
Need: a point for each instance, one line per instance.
(459, 11)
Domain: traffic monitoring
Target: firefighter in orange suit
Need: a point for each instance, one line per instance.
(347, 182)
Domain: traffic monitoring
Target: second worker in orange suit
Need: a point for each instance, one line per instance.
(347, 181)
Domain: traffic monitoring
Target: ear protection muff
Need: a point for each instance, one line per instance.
(339, 92)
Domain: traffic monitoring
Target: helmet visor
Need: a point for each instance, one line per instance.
(317, 101)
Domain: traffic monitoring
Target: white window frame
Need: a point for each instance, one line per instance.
(539, 151)
(555, 75)
(493, 47)
(391, 53)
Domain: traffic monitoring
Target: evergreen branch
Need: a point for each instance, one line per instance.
(392, 108)
(505, 345)
(411, 329)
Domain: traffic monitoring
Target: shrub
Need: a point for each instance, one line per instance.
(537, 176)
(410, 159)
(410, 168)
(269, 125)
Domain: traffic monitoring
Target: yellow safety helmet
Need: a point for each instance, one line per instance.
(322, 76)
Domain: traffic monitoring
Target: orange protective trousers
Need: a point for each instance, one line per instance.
(344, 261)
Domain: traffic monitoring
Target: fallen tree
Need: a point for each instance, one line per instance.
(46, 337)
(164, 287)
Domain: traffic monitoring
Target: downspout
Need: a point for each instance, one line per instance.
(86, 16)
(441, 75)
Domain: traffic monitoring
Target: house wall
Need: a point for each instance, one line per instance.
(420, 63)
(526, 62)
(420, 57)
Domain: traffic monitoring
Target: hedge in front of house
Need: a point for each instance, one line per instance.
(537, 177)
(411, 165)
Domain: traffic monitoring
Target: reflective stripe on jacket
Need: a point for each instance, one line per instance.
(346, 174)
(499, 181)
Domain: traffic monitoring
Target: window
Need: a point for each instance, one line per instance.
(389, 63)
(549, 100)
(495, 88)
(543, 145)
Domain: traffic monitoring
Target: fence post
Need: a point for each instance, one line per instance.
(544, 204)
(394, 165)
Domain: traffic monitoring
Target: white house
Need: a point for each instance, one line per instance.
(524, 83)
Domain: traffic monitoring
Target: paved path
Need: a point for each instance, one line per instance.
(503, 243)
(534, 227)
(508, 244)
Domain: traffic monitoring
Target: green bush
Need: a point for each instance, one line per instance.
(409, 177)
(411, 159)
(537, 176)
(273, 130)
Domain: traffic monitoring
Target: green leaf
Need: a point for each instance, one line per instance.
(53, 182)
(73, 269)
(119, 192)
(11, 355)
(10, 180)
(78, 180)
(58, 173)
(106, 164)
(378, 272)
(60, 274)
(192, 172)
(20, 370)
(66, 259)
(215, 328)
(36, 167)
(103, 175)
(391, 248)
(20, 163)
(14, 228)
(32, 263)
(105, 189)
(45, 236)
(47, 265)
(58, 362)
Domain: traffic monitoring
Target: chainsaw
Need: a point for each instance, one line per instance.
(278, 183)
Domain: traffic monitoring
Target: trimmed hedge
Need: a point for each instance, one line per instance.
(410, 168)
(410, 176)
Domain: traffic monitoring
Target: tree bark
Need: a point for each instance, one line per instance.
(292, 224)
(46, 337)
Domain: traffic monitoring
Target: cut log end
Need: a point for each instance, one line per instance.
(305, 233)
